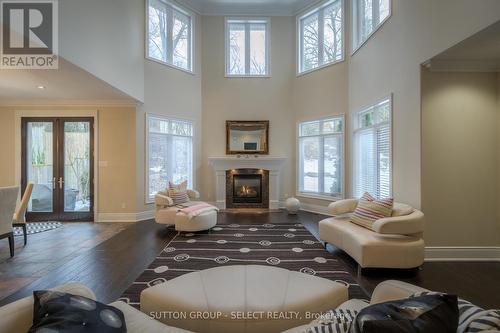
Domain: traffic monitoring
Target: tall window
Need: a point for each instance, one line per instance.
(169, 153)
(321, 36)
(247, 47)
(368, 16)
(373, 151)
(169, 34)
(321, 157)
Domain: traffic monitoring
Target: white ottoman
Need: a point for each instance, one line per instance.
(238, 298)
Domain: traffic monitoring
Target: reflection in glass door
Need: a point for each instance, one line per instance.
(58, 158)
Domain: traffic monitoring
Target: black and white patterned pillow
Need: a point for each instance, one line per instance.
(471, 317)
(58, 312)
(333, 321)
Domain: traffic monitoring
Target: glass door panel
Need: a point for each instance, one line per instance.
(40, 165)
(77, 167)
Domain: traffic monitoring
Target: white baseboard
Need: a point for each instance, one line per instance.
(125, 217)
(462, 253)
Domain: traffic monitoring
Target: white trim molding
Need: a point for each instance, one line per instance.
(462, 253)
(125, 217)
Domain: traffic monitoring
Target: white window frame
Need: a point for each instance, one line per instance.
(299, 40)
(247, 21)
(314, 195)
(356, 24)
(171, 7)
(192, 183)
(357, 128)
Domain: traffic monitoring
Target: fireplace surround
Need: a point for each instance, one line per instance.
(247, 188)
(221, 164)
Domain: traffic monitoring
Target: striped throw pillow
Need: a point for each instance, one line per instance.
(370, 210)
(333, 321)
(178, 192)
(178, 196)
(471, 317)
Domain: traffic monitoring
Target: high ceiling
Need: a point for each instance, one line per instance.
(478, 52)
(248, 7)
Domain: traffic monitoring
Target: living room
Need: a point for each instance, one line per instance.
(341, 143)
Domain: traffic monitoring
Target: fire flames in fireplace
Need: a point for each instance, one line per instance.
(246, 191)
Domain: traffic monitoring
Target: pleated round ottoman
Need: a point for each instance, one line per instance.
(239, 298)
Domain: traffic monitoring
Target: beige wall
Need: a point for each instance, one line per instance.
(173, 93)
(460, 133)
(248, 98)
(116, 146)
(390, 63)
(105, 38)
(498, 153)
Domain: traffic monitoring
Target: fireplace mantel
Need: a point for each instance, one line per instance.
(273, 164)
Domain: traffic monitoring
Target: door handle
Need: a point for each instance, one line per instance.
(61, 182)
(53, 183)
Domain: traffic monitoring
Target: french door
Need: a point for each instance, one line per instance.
(58, 157)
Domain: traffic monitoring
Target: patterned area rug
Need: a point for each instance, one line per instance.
(289, 246)
(36, 227)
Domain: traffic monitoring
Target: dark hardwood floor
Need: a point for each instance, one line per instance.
(110, 266)
(48, 250)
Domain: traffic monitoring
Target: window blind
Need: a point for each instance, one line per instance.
(372, 151)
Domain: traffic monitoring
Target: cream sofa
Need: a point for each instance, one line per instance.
(17, 317)
(389, 290)
(168, 214)
(395, 242)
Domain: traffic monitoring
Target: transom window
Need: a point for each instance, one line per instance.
(169, 153)
(373, 151)
(169, 34)
(247, 47)
(321, 36)
(368, 16)
(321, 157)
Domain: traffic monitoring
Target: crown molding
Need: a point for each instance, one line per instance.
(68, 102)
(233, 9)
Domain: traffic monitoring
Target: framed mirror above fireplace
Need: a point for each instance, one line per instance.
(247, 137)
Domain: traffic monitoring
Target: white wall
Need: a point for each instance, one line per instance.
(105, 38)
(174, 93)
(390, 62)
(248, 98)
(460, 132)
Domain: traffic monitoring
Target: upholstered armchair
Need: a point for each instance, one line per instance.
(167, 213)
(162, 200)
(393, 242)
(8, 198)
(19, 218)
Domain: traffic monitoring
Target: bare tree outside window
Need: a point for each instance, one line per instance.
(169, 35)
(321, 36)
(247, 48)
(368, 16)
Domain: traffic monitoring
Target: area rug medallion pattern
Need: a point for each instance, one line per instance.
(289, 246)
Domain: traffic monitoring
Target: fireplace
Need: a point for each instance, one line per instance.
(247, 188)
